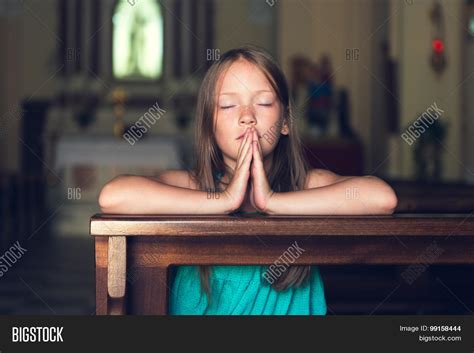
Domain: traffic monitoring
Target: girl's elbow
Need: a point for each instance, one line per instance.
(109, 195)
(389, 201)
(106, 199)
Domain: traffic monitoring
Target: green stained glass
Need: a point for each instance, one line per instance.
(471, 25)
(137, 50)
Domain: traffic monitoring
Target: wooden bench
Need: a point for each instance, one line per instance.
(419, 197)
(134, 253)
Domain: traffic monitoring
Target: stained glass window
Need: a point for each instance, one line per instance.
(137, 50)
(471, 24)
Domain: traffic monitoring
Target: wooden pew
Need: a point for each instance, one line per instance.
(440, 197)
(134, 253)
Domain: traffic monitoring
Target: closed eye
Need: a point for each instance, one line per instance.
(227, 106)
(266, 104)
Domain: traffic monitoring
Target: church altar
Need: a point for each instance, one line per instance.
(84, 164)
(152, 152)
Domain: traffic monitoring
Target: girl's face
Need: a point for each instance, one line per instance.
(245, 98)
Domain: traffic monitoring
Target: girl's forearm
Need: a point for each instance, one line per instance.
(139, 195)
(354, 196)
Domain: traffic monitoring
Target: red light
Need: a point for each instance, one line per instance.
(438, 46)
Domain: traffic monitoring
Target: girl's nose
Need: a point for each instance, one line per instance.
(247, 114)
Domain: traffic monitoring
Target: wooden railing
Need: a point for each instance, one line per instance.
(134, 253)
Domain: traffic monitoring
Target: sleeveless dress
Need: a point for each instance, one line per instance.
(242, 290)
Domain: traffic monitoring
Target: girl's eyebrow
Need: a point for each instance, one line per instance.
(234, 93)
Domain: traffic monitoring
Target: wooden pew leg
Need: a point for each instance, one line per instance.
(116, 275)
(116, 306)
(160, 290)
(101, 296)
(149, 293)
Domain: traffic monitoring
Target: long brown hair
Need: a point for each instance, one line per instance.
(289, 167)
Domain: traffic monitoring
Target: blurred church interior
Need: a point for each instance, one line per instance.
(76, 76)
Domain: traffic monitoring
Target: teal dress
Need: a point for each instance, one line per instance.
(242, 290)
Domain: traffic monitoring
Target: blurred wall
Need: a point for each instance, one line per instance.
(316, 27)
(323, 26)
(10, 29)
(28, 68)
(420, 86)
(245, 22)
